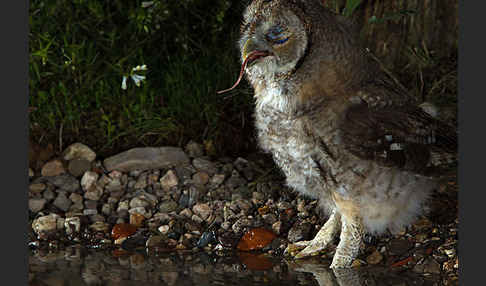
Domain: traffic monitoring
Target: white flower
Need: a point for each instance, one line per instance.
(124, 83)
(140, 68)
(137, 79)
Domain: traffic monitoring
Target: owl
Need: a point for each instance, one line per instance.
(341, 130)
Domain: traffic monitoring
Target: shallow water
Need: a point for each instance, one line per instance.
(78, 266)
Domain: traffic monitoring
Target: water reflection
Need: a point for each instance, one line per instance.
(78, 266)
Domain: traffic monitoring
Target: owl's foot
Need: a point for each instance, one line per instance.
(349, 244)
(322, 239)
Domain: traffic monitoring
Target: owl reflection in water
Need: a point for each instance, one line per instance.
(342, 131)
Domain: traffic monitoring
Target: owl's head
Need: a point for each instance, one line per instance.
(274, 38)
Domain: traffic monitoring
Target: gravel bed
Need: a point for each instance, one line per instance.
(180, 200)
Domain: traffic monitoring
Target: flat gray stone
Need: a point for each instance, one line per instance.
(146, 158)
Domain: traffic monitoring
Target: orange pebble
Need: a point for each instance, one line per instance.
(256, 238)
(123, 230)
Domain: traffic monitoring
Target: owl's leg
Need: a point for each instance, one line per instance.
(322, 239)
(350, 241)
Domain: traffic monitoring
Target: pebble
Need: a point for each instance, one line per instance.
(36, 205)
(72, 224)
(429, 265)
(62, 202)
(76, 198)
(164, 229)
(202, 210)
(53, 168)
(399, 246)
(154, 241)
(49, 195)
(78, 167)
(88, 181)
(168, 206)
(194, 149)
(45, 223)
(169, 180)
(79, 151)
(200, 178)
(374, 258)
(65, 181)
(205, 165)
(37, 187)
(93, 193)
(299, 231)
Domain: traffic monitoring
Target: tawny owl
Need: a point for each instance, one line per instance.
(340, 129)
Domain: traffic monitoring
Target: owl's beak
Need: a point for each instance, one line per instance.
(252, 52)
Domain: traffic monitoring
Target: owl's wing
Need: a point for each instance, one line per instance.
(404, 136)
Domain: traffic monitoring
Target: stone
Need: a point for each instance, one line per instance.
(399, 246)
(186, 213)
(37, 188)
(169, 180)
(154, 241)
(136, 219)
(164, 229)
(194, 149)
(142, 211)
(269, 218)
(76, 198)
(139, 202)
(299, 231)
(94, 193)
(45, 223)
(374, 258)
(123, 205)
(428, 266)
(204, 165)
(49, 195)
(72, 224)
(36, 205)
(100, 226)
(217, 180)
(62, 202)
(168, 206)
(65, 182)
(202, 210)
(90, 204)
(200, 178)
(141, 182)
(106, 209)
(146, 158)
(240, 225)
(53, 168)
(78, 151)
(88, 180)
(90, 211)
(277, 227)
(78, 167)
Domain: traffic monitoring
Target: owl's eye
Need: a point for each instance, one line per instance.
(277, 35)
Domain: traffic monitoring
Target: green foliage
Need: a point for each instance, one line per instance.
(81, 50)
(391, 16)
(351, 6)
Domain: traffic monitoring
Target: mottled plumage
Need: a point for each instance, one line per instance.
(340, 129)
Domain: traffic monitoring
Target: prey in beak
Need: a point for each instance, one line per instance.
(249, 56)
